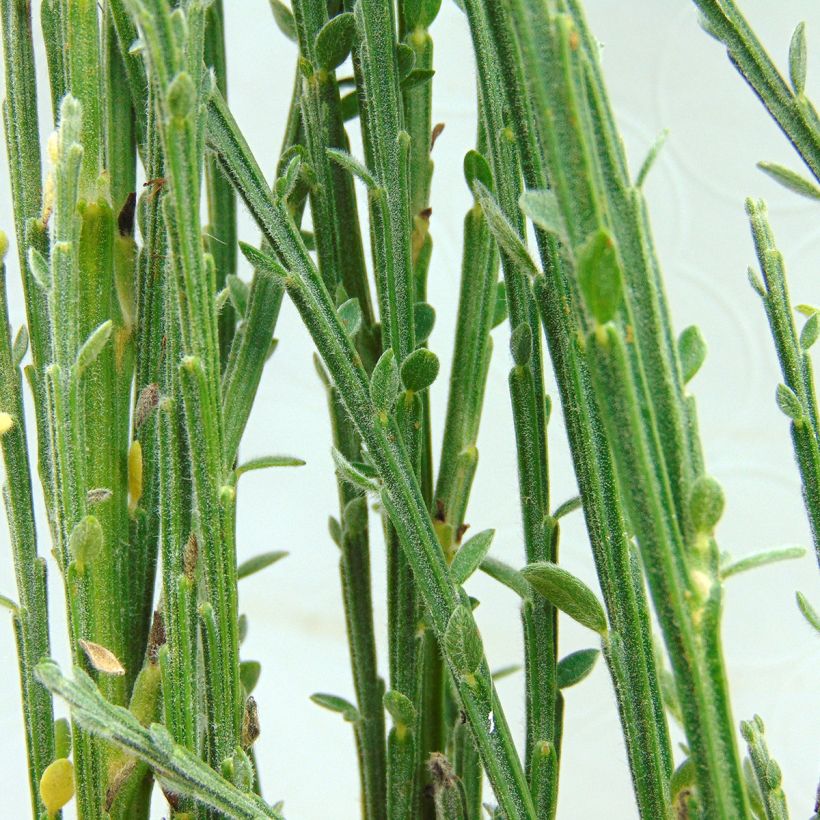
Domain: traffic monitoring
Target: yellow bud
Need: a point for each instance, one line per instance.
(4, 246)
(134, 475)
(57, 785)
(6, 423)
(49, 192)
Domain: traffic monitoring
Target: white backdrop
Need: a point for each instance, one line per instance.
(662, 72)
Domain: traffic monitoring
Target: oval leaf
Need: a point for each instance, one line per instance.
(470, 555)
(507, 575)
(542, 208)
(86, 541)
(284, 19)
(400, 708)
(258, 563)
(692, 352)
(521, 344)
(462, 642)
(788, 402)
(336, 704)
(476, 168)
(334, 41)
(570, 594)
(797, 59)
(810, 331)
(92, 347)
(600, 276)
(706, 502)
(385, 382)
(575, 667)
(249, 672)
(419, 369)
(424, 318)
(350, 315)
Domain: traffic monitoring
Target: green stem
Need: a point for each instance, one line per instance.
(401, 491)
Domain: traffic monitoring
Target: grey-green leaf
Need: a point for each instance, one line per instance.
(416, 77)
(20, 346)
(420, 13)
(238, 292)
(810, 331)
(258, 563)
(760, 559)
(405, 59)
(470, 555)
(249, 672)
(419, 369)
(575, 667)
(500, 305)
(570, 594)
(541, 206)
(385, 382)
(507, 575)
(92, 347)
(600, 275)
(476, 168)
(400, 708)
(353, 474)
(706, 502)
(263, 462)
(336, 704)
(284, 19)
(38, 266)
(509, 242)
(808, 611)
(350, 315)
(798, 59)
(86, 541)
(462, 642)
(352, 166)
(646, 167)
(335, 40)
(424, 318)
(788, 402)
(521, 344)
(790, 179)
(692, 352)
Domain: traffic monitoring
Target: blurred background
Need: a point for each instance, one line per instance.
(663, 72)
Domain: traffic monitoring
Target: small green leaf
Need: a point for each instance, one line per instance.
(424, 318)
(182, 95)
(790, 179)
(760, 559)
(359, 475)
(352, 166)
(509, 242)
(810, 331)
(405, 59)
(650, 158)
(806, 310)
(335, 530)
(284, 19)
(20, 346)
(568, 593)
(470, 555)
(420, 13)
(335, 40)
(682, 778)
(258, 563)
(385, 382)
(600, 275)
(62, 738)
(500, 305)
(788, 402)
(238, 292)
(808, 611)
(506, 671)
(798, 59)
(39, 268)
(416, 77)
(507, 575)
(462, 642)
(757, 284)
(92, 347)
(86, 541)
(350, 315)
(355, 516)
(692, 352)
(263, 462)
(521, 344)
(706, 502)
(575, 667)
(419, 369)
(286, 182)
(400, 708)
(567, 507)
(476, 168)
(9, 604)
(249, 672)
(336, 704)
(541, 206)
